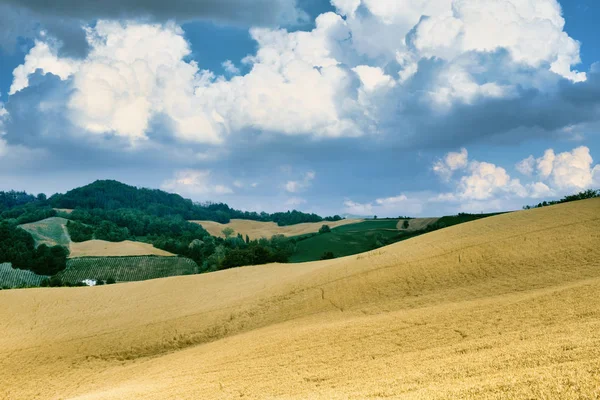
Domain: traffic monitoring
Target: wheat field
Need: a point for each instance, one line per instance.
(506, 307)
(101, 248)
(257, 229)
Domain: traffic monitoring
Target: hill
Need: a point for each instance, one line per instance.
(112, 195)
(258, 229)
(503, 307)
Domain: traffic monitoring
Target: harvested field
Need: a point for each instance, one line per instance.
(503, 307)
(257, 229)
(101, 248)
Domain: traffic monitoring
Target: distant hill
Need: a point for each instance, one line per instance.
(114, 195)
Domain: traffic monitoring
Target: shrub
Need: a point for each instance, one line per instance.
(328, 255)
(111, 281)
(405, 224)
(325, 229)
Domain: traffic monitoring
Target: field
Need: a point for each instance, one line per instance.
(126, 269)
(11, 277)
(101, 248)
(416, 224)
(50, 231)
(345, 240)
(506, 307)
(257, 229)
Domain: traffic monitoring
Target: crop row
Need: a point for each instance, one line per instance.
(126, 269)
(11, 277)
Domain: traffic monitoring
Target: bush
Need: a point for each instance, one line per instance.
(405, 224)
(99, 282)
(111, 281)
(325, 229)
(328, 255)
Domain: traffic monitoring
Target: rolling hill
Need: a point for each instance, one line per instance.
(258, 229)
(503, 307)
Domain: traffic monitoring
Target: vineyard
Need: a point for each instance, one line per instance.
(126, 269)
(11, 277)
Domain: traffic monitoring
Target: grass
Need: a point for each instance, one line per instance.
(344, 240)
(13, 278)
(126, 269)
(369, 235)
(506, 307)
(50, 231)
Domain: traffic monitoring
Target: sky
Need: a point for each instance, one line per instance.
(357, 107)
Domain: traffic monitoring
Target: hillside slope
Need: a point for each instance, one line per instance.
(258, 229)
(504, 307)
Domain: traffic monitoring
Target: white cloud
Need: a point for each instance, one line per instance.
(295, 201)
(324, 83)
(42, 56)
(346, 7)
(557, 175)
(451, 162)
(352, 207)
(567, 171)
(195, 182)
(526, 166)
(300, 185)
(486, 181)
(230, 68)
(397, 205)
(238, 184)
(372, 77)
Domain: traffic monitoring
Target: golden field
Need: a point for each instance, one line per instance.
(101, 248)
(257, 229)
(506, 307)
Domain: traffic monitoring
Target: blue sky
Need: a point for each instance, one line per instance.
(350, 106)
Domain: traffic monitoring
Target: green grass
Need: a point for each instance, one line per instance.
(126, 269)
(364, 236)
(345, 240)
(11, 277)
(50, 231)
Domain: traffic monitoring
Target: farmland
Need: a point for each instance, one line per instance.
(101, 248)
(503, 307)
(345, 240)
(257, 229)
(126, 269)
(50, 231)
(11, 277)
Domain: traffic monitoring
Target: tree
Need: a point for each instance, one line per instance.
(228, 232)
(325, 229)
(111, 281)
(247, 239)
(375, 217)
(405, 224)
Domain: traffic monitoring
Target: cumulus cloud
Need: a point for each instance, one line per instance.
(400, 70)
(450, 163)
(195, 183)
(526, 166)
(551, 175)
(300, 185)
(230, 68)
(566, 171)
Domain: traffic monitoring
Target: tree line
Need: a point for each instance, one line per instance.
(114, 195)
